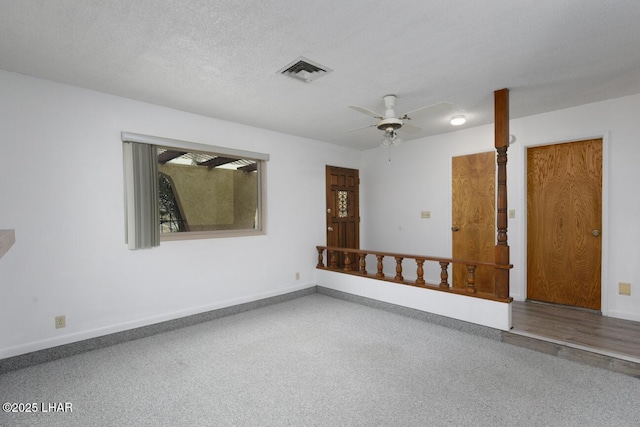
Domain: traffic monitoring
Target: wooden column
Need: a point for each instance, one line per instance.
(501, 101)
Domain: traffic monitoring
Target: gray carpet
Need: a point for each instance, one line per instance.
(320, 361)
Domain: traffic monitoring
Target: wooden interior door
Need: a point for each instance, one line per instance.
(343, 208)
(564, 219)
(473, 217)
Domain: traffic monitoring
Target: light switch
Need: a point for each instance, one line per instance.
(425, 214)
(512, 213)
(624, 288)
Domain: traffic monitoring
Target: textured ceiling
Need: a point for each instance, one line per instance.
(221, 58)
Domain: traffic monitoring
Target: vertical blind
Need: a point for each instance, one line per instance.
(142, 214)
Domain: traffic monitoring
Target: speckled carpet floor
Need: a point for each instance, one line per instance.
(317, 361)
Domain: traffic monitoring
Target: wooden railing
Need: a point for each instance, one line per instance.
(354, 261)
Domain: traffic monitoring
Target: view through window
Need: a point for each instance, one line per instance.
(205, 192)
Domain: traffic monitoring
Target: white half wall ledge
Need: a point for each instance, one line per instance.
(493, 314)
(7, 239)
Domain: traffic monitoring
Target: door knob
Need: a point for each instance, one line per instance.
(454, 228)
(595, 233)
(330, 228)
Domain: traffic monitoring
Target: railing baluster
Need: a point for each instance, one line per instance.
(320, 258)
(398, 277)
(471, 279)
(444, 275)
(333, 263)
(420, 272)
(347, 261)
(380, 273)
(363, 262)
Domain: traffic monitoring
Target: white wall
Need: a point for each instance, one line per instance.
(61, 190)
(419, 178)
(480, 311)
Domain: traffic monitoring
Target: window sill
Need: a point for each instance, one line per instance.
(195, 235)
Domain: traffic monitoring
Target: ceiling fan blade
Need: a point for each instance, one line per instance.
(429, 109)
(355, 129)
(366, 111)
(410, 128)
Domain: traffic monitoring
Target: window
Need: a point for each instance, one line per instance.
(177, 190)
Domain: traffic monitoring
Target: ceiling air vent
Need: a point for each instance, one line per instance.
(304, 69)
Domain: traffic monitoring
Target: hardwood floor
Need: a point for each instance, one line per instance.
(577, 334)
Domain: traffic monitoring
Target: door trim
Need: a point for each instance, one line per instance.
(604, 273)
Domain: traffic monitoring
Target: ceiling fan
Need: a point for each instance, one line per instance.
(390, 122)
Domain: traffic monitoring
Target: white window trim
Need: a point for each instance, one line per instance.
(225, 151)
(177, 143)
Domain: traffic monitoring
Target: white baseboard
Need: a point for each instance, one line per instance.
(624, 315)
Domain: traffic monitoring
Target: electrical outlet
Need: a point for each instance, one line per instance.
(425, 214)
(297, 276)
(61, 322)
(624, 288)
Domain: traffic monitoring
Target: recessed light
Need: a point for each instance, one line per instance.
(458, 120)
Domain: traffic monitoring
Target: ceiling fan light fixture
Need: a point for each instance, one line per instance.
(458, 120)
(390, 138)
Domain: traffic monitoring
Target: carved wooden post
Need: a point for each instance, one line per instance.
(380, 273)
(398, 277)
(501, 100)
(347, 261)
(320, 257)
(471, 279)
(420, 279)
(363, 262)
(333, 263)
(444, 275)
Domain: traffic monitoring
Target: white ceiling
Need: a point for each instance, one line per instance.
(220, 58)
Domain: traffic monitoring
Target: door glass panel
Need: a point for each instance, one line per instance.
(342, 204)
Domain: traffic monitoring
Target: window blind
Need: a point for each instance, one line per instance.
(142, 215)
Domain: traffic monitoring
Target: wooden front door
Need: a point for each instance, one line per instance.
(473, 217)
(564, 219)
(343, 208)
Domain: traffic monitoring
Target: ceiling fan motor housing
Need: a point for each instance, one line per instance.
(389, 124)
